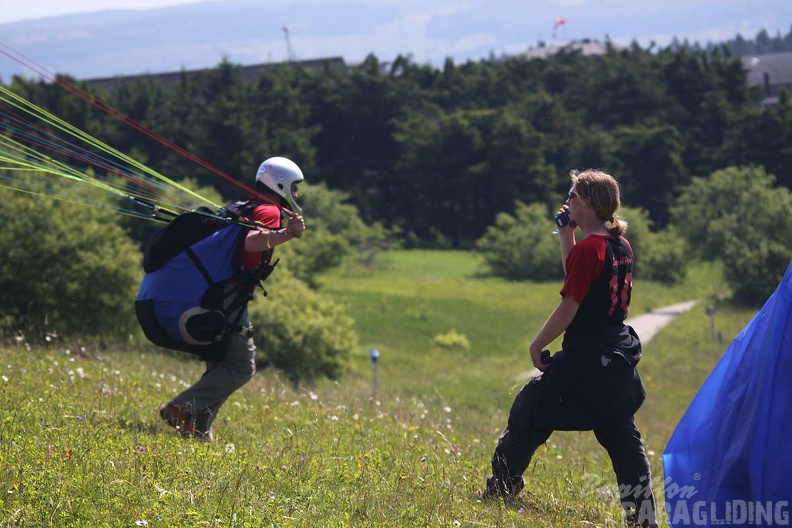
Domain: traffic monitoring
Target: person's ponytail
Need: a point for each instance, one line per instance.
(617, 227)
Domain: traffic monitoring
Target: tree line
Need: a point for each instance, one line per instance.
(438, 153)
(762, 43)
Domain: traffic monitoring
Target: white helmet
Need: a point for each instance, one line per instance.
(282, 176)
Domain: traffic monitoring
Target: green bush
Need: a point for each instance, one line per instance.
(659, 256)
(664, 259)
(299, 331)
(65, 269)
(334, 231)
(521, 247)
(738, 215)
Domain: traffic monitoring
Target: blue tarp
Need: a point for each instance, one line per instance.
(729, 461)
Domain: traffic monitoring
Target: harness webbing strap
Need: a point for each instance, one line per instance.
(199, 265)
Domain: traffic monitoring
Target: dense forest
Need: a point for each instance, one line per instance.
(437, 153)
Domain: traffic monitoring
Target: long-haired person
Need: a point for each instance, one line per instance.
(592, 384)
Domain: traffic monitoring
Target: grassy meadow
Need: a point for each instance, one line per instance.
(81, 443)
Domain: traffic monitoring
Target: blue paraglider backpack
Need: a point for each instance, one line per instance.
(194, 292)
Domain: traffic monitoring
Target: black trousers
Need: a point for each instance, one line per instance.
(620, 438)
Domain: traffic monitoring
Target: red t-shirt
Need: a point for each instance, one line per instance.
(599, 278)
(584, 264)
(270, 216)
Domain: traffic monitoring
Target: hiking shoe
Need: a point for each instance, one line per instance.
(179, 419)
(512, 502)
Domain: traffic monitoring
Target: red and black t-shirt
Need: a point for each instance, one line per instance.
(599, 277)
(269, 215)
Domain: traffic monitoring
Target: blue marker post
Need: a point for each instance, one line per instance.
(374, 354)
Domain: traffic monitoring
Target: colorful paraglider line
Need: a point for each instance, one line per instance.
(20, 136)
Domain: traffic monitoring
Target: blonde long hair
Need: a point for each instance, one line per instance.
(603, 190)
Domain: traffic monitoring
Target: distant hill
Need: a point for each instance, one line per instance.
(124, 42)
(114, 42)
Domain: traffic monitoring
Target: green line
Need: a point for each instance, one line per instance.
(97, 205)
(45, 116)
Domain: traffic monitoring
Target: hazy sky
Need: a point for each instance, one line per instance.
(15, 10)
(429, 30)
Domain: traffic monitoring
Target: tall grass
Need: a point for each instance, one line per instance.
(81, 443)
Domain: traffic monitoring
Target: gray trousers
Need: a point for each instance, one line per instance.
(221, 379)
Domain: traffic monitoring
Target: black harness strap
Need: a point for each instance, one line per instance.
(199, 265)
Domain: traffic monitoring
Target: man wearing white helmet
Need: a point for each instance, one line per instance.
(193, 411)
(277, 180)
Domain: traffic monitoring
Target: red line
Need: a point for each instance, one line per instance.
(41, 133)
(101, 105)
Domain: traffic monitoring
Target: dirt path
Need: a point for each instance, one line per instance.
(648, 324)
(645, 325)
